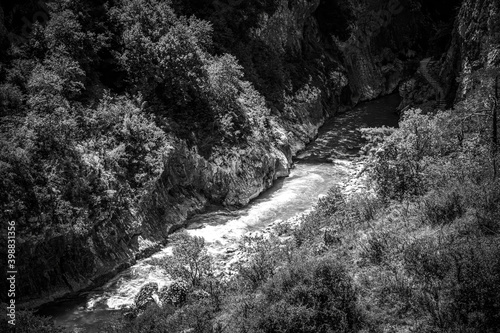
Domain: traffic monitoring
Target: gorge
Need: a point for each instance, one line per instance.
(322, 164)
(126, 122)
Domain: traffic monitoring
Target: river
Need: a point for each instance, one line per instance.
(324, 163)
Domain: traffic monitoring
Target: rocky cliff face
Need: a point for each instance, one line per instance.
(375, 44)
(470, 42)
(384, 43)
(475, 45)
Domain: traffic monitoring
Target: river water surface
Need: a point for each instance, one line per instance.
(324, 163)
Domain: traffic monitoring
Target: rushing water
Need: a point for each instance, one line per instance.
(320, 166)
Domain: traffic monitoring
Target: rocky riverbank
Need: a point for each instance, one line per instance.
(235, 253)
(354, 183)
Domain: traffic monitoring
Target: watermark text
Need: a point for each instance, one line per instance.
(11, 273)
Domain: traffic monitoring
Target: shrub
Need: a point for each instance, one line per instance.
(193, 317)
(309, 228)
(312, 296)
(174, 294)
(398, 165)
(330, 207)
(266, 256)
(456, 283)
(485, 202)
(377, 248)
(442, 207)
(364, 206)
(331, 203)
(27, 322)
(11, 98)
(74, 164)
(152, 320)
(144, 297)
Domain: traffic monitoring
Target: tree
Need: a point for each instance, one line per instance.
(190, 260)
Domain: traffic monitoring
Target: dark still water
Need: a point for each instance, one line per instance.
(324, 163)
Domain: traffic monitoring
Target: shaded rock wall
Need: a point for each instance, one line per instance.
(475, 45)
(385, 41)
(375, 44)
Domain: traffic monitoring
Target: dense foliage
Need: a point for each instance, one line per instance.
(93, 99)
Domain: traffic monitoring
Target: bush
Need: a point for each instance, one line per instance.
(484, 200)
(266, 256)
(75, 164)
(331, 203)
(364, 206)
(442, 207)
(153, 320)
(398, 166)
(198, 316)
(456, 283)
(377, 247)
(310, 295)
(309, 228)
(329, 209)
(27, 322)
(316, 296)
(11, 98)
